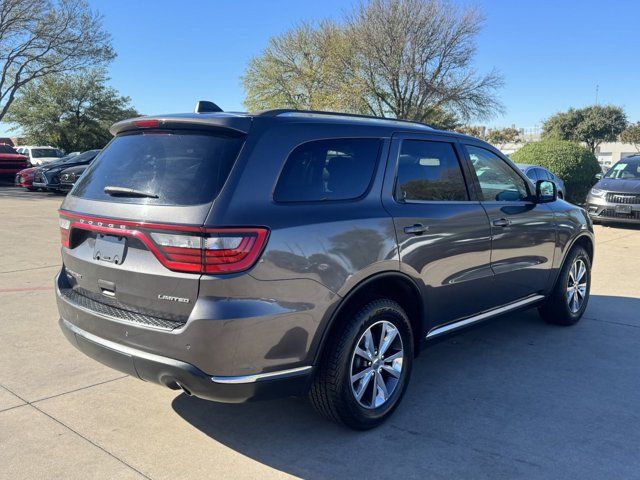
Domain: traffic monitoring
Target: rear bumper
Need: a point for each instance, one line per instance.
(176, 374)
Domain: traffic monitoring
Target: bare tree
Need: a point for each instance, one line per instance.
(300, 69)
(415, 56)
(47, 37)
(410, 59)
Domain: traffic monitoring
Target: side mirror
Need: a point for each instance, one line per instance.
(546, 191)
(599, 175)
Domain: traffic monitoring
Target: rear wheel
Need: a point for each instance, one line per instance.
(568, 301)
(365, 370)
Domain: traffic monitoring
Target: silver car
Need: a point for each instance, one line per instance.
(616, 196)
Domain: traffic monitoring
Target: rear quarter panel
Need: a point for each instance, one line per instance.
(323, 245)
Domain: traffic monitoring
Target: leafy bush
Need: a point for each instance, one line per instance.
(573, 163)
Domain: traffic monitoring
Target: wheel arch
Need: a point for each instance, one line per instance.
(584, 240)
(394, 285)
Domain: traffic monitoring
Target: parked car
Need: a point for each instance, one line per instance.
(11, 162)
(47, 177)
(70, 176)
(24, 178)
(616, 196)
(535, 173)
(248, 256)
(40, 155)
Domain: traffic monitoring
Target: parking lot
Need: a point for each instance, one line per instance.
(513, 398)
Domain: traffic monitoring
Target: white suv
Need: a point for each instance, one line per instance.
(40, 155)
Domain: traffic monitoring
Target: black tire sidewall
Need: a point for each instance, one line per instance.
(358, 416)
(559, 311)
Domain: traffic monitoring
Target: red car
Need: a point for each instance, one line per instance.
(24, 178)
(11, 161)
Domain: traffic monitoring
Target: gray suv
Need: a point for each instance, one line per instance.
(247, 256)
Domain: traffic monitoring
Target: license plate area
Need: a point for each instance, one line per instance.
(624, 209)
(109, 248)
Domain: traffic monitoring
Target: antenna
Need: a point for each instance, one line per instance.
(597, 90)
(205, 106)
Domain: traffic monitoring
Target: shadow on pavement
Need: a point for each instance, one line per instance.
(514, 397)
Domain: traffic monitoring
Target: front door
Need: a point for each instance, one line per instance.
(442, 230)
(522, 231)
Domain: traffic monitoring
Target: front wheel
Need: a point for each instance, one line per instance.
(568, 300)
(366, 368)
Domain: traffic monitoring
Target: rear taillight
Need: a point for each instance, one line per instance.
(181, 248)
(213, 251)
(65, 225)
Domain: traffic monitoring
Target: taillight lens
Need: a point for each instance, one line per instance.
(65, 229)
(232, 251)
(215, 251)
(180, 248)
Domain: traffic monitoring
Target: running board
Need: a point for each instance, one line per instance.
(483, 316)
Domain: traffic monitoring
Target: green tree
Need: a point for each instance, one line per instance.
(573, 163)
(591, 125)
(73, 112)
(473, 131)
(631, 135)
(40, 38)
(501, 136)
(408, 59)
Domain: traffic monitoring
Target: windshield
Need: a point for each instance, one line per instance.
(79, 158)
(6, 149)
(627, 169)
(176, 167)
(45, 152)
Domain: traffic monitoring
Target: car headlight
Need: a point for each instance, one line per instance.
(596, 192)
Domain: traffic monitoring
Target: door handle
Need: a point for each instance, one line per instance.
(416, 229)
(502, 222)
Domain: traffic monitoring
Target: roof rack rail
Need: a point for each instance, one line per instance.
(279, 111)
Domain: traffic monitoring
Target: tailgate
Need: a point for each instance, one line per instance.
(136, 252)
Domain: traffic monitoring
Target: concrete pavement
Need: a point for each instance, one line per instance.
(515, 398)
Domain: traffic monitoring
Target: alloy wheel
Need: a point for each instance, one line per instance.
(577, 285)
(376, 364)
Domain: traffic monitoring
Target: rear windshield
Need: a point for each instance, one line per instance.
(45, 152)
(179, 168)
(6, 149)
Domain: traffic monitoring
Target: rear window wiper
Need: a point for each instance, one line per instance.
(127, 192)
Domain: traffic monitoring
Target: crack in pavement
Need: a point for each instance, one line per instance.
(32, 404)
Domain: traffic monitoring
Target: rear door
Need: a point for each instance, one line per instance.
(134, 219)
(523, 232)
(443, 232)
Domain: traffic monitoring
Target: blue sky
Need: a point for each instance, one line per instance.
(552, 54)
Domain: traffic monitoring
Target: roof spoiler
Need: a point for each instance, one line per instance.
(204, 106)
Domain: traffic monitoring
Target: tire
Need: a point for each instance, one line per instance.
(32, 189)
(560, 308)
(332, 392)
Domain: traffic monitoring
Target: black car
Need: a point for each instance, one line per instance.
(47, 177)
(246, 256)
(69, 176)
(616, 196)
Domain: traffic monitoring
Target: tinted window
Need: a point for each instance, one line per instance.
(429, 171)
(544, 174)
(335, 169)
(45, 152)
(532, 173)
(181, 168)
(7, 149)
(498, 181)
